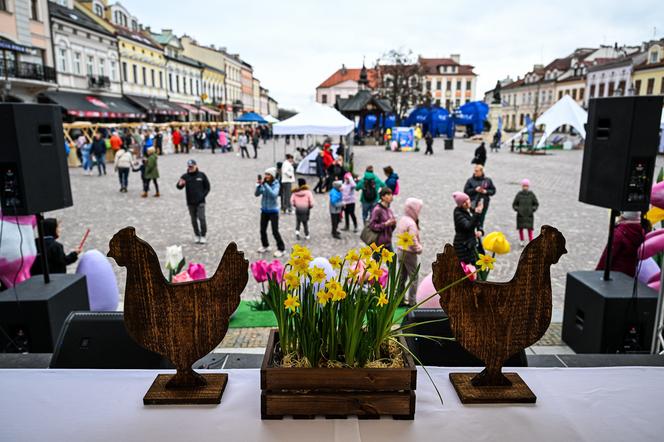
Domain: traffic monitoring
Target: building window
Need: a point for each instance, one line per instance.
(134, 26)
(62, 59)
(581, 91)
(573, 94)
(439, 85)
(650, 86)
(152, 77)
(99, 10)
(592, 91)
(197, 89)
(111, 71)
(637, 87)
(612, 88)
(468, 85)
(560, 95)
(323, 98)
(458, 86)
(124, 71)
(654, 57)
(3, 5)
(144, 71)
(102, 62)
(427, 85)
(170, 82)
(661, 86)
(177, 83)
(134, 69)
(34, 10)
(449, 85)
(161, 80)
(90, 67)
(621, 87)
(191, 86)
(521, 116)
(184, 85)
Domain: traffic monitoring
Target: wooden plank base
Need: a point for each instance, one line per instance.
(338, 405)
(211, 393)
(517, 393)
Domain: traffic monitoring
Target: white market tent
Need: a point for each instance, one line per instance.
(270, 119)
(564, 112)
(316, 119)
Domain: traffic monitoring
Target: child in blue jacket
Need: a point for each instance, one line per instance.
(336, 206)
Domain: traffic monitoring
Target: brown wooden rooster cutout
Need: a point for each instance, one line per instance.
(182, 322)
(495, 320)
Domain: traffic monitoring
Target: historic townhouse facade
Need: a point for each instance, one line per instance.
(447, 82)
(26, 55)
(342, 84)
(213, 75)
(247, 82)
(648, 75)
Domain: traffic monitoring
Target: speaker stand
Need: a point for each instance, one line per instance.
(42, 246)
(609, 245)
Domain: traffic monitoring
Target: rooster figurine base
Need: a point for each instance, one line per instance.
(182, 322)
(495, 320)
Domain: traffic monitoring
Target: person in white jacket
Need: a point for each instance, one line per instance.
(287, 180)
(124, 160)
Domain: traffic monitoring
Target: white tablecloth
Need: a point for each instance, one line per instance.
(593, 404)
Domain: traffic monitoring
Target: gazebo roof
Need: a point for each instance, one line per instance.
(361, 100)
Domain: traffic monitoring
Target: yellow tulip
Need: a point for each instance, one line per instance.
(497, 243)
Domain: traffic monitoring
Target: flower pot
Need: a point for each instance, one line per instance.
(336, 392)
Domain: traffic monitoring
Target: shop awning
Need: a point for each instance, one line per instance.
(157, 105)
(192, 109)
(94, 106)
(211, 111)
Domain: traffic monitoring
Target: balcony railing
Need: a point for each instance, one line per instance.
(29, 71)
(98, 82)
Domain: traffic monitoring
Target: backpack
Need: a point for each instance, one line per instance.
(370, 193)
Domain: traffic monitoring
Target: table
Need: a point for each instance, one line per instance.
(594, 404)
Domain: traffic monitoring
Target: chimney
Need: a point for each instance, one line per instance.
(343, 69)
(456, 58)
(538, 66)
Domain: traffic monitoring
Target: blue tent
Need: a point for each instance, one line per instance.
(384, 123)
(472, 115)
(251, 117)
(433, 119)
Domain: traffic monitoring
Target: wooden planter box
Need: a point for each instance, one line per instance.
(305, 393)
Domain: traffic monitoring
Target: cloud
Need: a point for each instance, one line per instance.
(294, 45)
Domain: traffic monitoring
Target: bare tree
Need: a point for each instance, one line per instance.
(400, 78)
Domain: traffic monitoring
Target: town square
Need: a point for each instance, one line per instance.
(299, 220)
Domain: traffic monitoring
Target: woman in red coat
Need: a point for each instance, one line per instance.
(177, 139)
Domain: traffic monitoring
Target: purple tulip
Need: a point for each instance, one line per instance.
(275, 270)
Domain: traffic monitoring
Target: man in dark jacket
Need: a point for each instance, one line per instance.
(98, 149)
(320, 173)
(466, 231)
(159, 142)
(428, 139)
(480, 155)
(479, 187)
(56, 258)
(197, 187)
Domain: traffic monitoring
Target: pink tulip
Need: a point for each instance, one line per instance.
(469, 269)
(259, 270)
(181, 277)
(275, 270)
(383, 278)
(196, 271)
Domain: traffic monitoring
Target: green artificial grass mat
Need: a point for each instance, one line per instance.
(245, 317)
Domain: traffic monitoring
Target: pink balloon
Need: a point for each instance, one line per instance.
(654, 286)
(425, 290)
(651, 246)
(657, 195)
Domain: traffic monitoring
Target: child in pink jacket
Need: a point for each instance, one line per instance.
(302, 200)
(410, 222)
(348, 199)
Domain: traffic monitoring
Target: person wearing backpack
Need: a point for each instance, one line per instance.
(369, 186)
(392, 180)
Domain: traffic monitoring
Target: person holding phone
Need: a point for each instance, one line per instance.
(268, 189)
(197, 187)
(467, 228)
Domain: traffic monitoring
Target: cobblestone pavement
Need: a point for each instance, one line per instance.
(233, 211)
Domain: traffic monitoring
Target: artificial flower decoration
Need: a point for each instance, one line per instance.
(181, 277)
(292, 280)
(469, 270)
(485, 262)
(386, 255)
(317, 274)
(496, 242)
(196, 271)
(336, 262)
(382, 299)
(259, 270)
(292, 302)
(405, 240)
(174, 258)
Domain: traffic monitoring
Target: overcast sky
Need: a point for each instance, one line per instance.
(295, 45)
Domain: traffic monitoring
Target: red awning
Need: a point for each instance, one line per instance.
(190, 108)
(211, 111)
(94, 106)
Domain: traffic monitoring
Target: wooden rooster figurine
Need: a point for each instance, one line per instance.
(495, 320)
(182, 322)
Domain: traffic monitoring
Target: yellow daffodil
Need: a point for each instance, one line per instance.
(485, 262)
(352, 255)
(299, 264)
(365, 253)
(374, 271)
(323, 297)
(292, 280)
(338, 295)
(382, 299)
(497, 243)
(386, 255)
(655, 215)
(332, 285)
(335, 261)
(292, 302)
(405, 240)
(317, 274)
(376, 248)
(301, 252)
(354, 271)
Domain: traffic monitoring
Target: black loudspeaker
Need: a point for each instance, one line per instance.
(33, 323)
(599, 315)
(449, 144)
(622, 136)
(34, 177)
(99, 340)
(444, 353)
